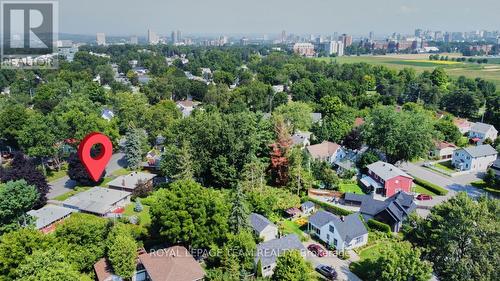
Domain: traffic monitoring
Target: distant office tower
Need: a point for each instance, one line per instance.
(346, 39)
(283, 36)
(134, 40)
(304, 49)
(223, 40)
(179, 36)
(173, 38)
(447, 37)
(371, 37)
(101, 39)
(244, 41)
(153, 38)
(418, 33)
(333, 47)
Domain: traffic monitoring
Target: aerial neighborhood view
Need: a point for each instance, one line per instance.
(261, 140)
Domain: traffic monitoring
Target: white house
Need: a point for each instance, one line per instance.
(307, 207)
(463, 125)
(187, 107)
(443, 150)
(263, 227)
(480, 132)
(343, 233)
(326, 151)
(476, 158)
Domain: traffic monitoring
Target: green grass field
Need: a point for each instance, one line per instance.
(144, 216)
(420, 63)
(351, 188)
(446, 166)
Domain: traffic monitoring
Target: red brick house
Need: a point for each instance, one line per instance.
(386, 179)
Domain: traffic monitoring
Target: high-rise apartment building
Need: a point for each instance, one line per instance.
(153, 38)
(346, 39)
(101, 39)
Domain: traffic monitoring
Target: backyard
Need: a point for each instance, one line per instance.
(144, 217)
(289, 227)
(350, 188)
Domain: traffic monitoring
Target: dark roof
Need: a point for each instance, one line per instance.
(321, 218)
(355, 197)
(259, 222)
(398, 206)
(293, 211)
(269, 251)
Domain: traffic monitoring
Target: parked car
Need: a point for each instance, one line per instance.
(424, 197)
(317, 250)
(327, 271)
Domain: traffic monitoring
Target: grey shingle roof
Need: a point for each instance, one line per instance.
(49, 214)
(259, 222)
(480, 150)
(386, 171)
(355, 197)
(481, 127)
(348, 228)
(307, 205)
(269, 251)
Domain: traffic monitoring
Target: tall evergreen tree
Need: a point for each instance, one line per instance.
(185, 164)
(133, 150)
(239, 218)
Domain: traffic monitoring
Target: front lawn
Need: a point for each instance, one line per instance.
(290, 227)
(55, 175)
(144, 217)
(351, 188)
(373, 251)
(422, 190)
(445, 166)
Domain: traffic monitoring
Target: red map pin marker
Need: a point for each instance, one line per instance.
(95, 165)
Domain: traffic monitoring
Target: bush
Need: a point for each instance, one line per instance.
(330, 208)
(380, 226)
(430, 186)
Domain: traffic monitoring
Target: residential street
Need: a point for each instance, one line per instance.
(453, 184)
(64, 184)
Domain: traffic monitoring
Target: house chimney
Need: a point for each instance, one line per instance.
(123, 182)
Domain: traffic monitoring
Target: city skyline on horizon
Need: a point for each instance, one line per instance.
(318, 17)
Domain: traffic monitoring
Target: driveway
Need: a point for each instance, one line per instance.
(65, 184)
(341, 266)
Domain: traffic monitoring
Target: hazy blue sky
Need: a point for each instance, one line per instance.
(121, 17)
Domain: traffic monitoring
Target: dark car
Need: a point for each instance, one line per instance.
(424, 197)
(317, 250)
(327, 271)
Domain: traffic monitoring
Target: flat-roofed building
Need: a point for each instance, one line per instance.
(49, 216)
(98, 200)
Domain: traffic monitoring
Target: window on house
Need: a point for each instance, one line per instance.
(358, 240)
(332, 229)
(328, 237)
(335, 242)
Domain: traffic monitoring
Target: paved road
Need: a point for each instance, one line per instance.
(64, 184)
(452, 184)
(341, 266)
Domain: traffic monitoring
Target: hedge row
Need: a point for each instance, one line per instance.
(330, 208)
(380, 226)
(430, 186)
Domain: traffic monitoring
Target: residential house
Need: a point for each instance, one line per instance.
(307, 208)
(326, 151)
(475, 158)
(393, 211)
(49, 216)
(129, 182)
(107, 114)
(293, 212)
(386, 179)
(174, 263)
(343, 233)
(301, 139)
(269, 251)
(98, 201)
(187, 107)
(153, 159)
(480, 132)
(263, 228)
(443, 150)
(463, 125)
